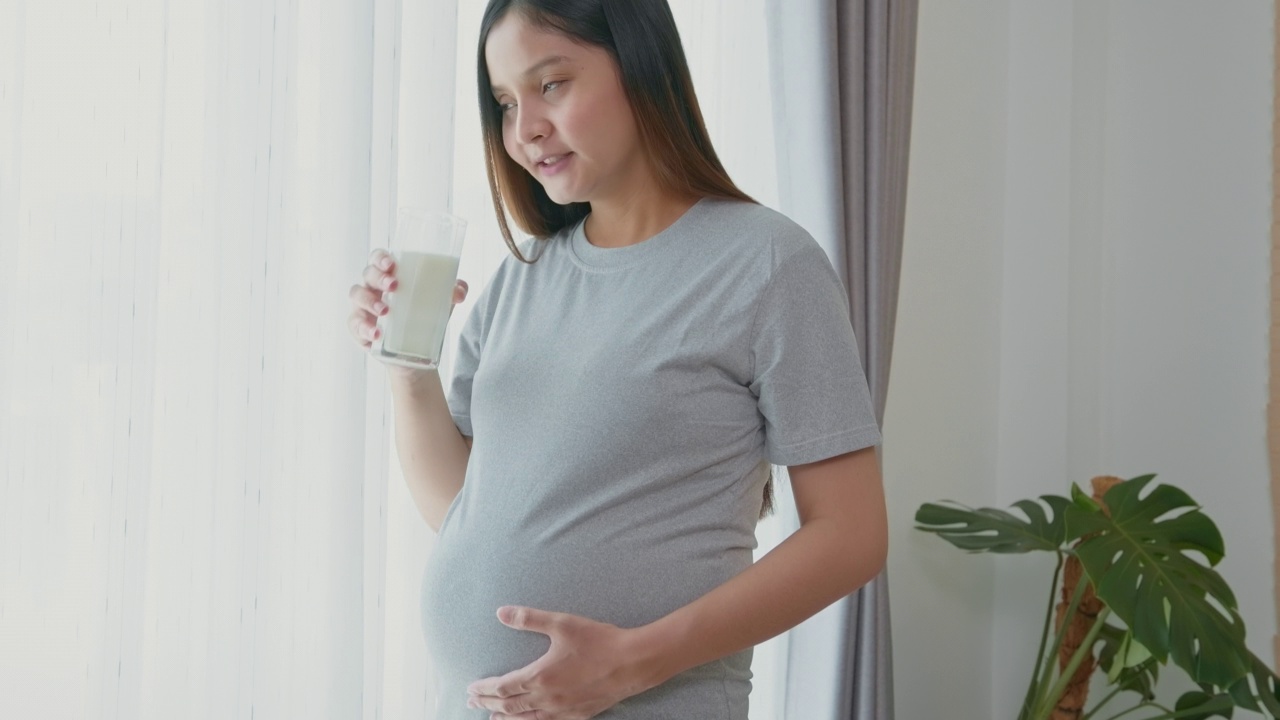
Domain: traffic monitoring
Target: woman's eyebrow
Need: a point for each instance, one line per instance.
(533, 69)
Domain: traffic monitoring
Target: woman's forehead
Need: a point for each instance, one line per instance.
(516, 47)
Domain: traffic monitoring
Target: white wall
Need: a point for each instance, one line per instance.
(1084, 292)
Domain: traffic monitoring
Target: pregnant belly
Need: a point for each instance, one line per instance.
(479, 565)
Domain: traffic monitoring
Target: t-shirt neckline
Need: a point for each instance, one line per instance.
(599, 257)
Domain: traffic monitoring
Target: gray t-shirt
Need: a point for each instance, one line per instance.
(625, 405)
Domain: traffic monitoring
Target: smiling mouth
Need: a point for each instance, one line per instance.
(557, 162)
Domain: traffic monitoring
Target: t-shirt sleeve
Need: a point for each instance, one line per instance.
(807, 377)
(466, 357)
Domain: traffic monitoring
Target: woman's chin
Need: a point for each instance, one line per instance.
(561, 198)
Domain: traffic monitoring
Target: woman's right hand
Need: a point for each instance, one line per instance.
(368, 304)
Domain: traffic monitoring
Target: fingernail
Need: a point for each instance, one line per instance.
(379, 308)
(389, 283)
(386, 262)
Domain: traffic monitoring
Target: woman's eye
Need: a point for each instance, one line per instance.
(504, 107)
(551, 85)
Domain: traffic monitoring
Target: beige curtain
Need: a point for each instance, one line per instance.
(842, 75)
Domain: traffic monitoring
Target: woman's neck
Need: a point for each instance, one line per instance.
(614, 224)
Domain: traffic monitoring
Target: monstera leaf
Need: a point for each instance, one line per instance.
(1128, 665)
(997, 531)
(1136, 558)
(1268, 695)
(1200, 706)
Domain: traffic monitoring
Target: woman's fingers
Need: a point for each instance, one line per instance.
(381, 259)
(459, 294)
(363, 327)
(370, 303)
(379, 279)
(368, 299)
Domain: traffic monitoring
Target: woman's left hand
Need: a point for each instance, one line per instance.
(590, 667)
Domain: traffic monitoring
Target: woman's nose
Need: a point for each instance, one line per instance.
(531, 125)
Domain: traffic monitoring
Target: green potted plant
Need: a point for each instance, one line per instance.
(1133, 596)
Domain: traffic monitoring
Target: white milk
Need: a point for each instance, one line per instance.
(420, 305)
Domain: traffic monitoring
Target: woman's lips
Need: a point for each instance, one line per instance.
(556, 167)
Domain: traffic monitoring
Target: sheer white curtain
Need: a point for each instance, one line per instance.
(189, 527)
(201, 515)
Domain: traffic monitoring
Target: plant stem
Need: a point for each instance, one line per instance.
(1028, 702)
(1086, 648)
(1104, 701)
(1052, 658)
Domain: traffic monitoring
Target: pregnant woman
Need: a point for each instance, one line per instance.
(598, 463)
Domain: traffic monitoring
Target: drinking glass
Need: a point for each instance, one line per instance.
(427, 247)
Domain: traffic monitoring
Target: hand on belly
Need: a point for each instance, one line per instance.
(590, 667)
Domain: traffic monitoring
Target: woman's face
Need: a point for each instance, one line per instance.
(563, 99)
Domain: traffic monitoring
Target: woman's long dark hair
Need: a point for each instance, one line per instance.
(641, 37)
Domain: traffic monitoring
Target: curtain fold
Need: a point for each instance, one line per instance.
(190, 525)
(376, 511)
(842, 73)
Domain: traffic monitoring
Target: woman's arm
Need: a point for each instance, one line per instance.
(433, 453)
(841, 545)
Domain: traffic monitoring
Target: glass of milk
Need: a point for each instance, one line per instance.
(427, 247)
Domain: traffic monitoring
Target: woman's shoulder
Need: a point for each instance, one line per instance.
(759, 230)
